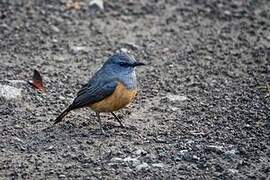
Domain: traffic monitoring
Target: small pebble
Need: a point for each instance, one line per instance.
(55, 29)
(159, 165)
(142, 166)
(215, 148)
(173, 97)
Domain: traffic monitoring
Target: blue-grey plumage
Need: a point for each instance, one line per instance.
(115, 81)
(118, 68)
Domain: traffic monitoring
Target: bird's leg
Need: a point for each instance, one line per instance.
(117, 119)
(100, 124)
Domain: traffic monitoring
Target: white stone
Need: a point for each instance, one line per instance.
(98, 3)
(233, 171)
(55, 29)
(231, 152)
(142, 166)
(159, 165)
(140, 152)
(116, 159)
(134, 161)
(10, 92)
(77, 49)
(183, 152)
(125, 50)
(173, 97)
(215, 148)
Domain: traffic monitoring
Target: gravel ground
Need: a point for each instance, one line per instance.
(202, 111)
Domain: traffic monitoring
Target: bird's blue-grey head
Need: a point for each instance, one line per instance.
(121, 64)
(119, 67)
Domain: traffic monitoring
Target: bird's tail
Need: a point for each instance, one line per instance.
(62, 115)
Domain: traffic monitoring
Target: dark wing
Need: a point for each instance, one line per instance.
(83, 89)
(93, 92)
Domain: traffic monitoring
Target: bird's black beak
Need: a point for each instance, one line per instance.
(138, 64)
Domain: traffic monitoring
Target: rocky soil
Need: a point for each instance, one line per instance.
(203, 111)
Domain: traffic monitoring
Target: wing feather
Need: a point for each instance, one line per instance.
(93, 92)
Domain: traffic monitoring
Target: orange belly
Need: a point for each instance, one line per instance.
(120, 98)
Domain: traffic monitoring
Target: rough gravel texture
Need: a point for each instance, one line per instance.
(202, 111)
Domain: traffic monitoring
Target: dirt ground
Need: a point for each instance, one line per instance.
(202, 111)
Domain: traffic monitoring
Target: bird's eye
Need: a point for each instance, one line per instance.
(122, 64)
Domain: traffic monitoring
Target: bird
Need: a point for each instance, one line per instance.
(110, 89)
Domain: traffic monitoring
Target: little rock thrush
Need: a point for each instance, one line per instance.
(111, 88)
